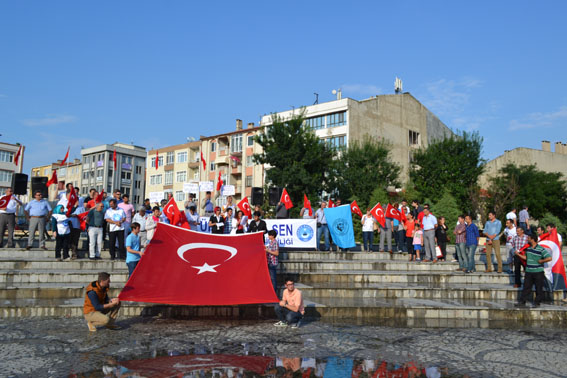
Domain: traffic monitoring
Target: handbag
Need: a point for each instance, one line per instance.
(438, 252)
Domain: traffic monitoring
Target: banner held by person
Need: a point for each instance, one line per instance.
(183, 267)
(555, 269)
(294, 233)
(339, 220)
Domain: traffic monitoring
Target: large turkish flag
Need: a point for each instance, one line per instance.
(184, 267)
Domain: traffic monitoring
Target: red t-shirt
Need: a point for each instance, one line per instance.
(409, 228)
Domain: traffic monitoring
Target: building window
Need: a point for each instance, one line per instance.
(250, 140)
(126, 175)
(249, 160)
(170, 157)
(212, 166)
(236, 143)
(160, 161)
(196, 176)
(213, 146)
(181, 176)
(315, 123)
(136, 199)
(99, 174)
(5, 176)
(109, 173)
(182, 157)
(336, 119)
(413, 138)
(179, 195)
(6, 157)
(168, 178)
(248, 181)
(336, 142)
(155, 179)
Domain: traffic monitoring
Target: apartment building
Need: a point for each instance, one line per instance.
(8, 165)
(70, 172)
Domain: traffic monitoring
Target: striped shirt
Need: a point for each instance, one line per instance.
(533, 255)
(272, 246)
(460, 233)
(518, 242)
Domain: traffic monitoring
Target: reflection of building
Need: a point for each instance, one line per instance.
(98, 170)
(8, 166)
(544, 159)
(69, 173)
(400, 120)
(177, 165)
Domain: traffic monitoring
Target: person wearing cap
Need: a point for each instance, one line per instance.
(193, 217)
(216, 222)
(257, 224)
(140, 217)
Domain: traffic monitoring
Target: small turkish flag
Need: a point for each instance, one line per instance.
(52, 180)
(99, 197)
(17, 157)
(83, 220)
(355, 209)
(307, 204)
(391, 212)
(4, 201)
(171, 211)
(114, 159)
(157, 159)
(378, 213)
(331, 203)
(403, 214)
(72, 200)
(286, 200)
(66, 156)
(204, 162)
(219, 182)
(183, 223)
(244, 205)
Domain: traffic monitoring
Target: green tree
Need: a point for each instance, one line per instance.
(362, 167)
(447, 207)
(550, 218)
(541, 191)
(299, 161)
(452, 164)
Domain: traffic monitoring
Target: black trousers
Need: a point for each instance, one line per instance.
(62, 242)
(443, 248)
(74, 240)
(517, 271)
(409, 245)
(112, 237)
(529, 280)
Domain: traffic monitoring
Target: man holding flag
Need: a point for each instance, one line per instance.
(535, 257)
(8, 207)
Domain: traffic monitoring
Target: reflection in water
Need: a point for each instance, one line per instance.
(218, 365)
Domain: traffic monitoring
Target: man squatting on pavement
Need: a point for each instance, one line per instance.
(98, 309)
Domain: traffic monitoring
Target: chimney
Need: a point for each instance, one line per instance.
(558, 148)
(545, 146)
(238, 124)
(250, 125)
(564, 149)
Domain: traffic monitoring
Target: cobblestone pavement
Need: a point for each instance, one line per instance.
(59, 347)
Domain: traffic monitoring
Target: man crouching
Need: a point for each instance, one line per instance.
(98, 309)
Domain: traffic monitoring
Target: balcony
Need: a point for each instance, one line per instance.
(193, 164)
(236, 170)
(220, 160)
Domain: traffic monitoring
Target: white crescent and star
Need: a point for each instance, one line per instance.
(286, 198)
(205, 267)
(555, 253)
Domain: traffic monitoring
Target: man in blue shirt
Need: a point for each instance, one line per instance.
(208, 205)
(133, 249)
(472, 237)
(492, 230)
(37, 212)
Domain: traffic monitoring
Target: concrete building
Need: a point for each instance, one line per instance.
(8, 165)
(177, 165)
(399, 119)
(544, 159)
(69, 173)
(130, 175)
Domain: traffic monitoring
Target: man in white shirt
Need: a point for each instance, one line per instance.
(8, 218)
(512, 216)
(429, 224)
(140, 218)
(509, 233)
(115, 217)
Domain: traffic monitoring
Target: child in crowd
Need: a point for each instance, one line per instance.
(134, 252)
(417, 240)
(62, 230)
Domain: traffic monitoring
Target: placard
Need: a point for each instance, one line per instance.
(156, 197)
(206, 186)
(294, 233)
(227, 190)
(190, 187)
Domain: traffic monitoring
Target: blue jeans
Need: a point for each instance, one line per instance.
(287, 316)
(471, 249)
(323, 229)
(273, 270)
(131, 266)
(368, 239)
(462, 254)
(525, 227)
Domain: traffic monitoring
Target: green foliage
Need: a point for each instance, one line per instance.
(378, 195)
(363, 166)
(541, 191)
(299, 161)
(447, 207)
(452, 164)
(550, 218)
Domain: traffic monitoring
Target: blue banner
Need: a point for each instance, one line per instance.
(339, 221)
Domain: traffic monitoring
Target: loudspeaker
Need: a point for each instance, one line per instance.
(275, 194)
(20, 183)
(257, 196)
(39, 184)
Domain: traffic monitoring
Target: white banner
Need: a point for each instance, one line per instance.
(295, 233)
(227, 190)
(156, 197)
(190, 187)
(205, 186)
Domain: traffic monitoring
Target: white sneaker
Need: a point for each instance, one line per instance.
(280, 324)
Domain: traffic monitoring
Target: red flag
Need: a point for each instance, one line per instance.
(171, 211)
(83, 220)
(219, 182)
(403, 214)
(331, 203)
(355, 209)
(378, 213)
(17, 157)
(204, 162)
(73, 198)
(392, 212)
(307, 204)
(244, 205)
(114, 159)
(555, 269)
(4, 201)
(286, 200)
(53, 179)
(183, 267)
(183, 223)
(99, 197)
(66, 156)
(157, 159)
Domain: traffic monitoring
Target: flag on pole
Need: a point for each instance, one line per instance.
(83, 220)
(17, 157)
(307, 204)
(114, 159)
(157, 159)
(339, 220)
(204, 162)
(392, 212)
(286, 200)
(244, 205)
(52, 180)
(220, 183)
(378, 213)
(555, 269)
(66, 156)
(355, 209)
(72, 200)
(172, 212)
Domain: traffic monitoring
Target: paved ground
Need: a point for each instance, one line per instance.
(60, 347)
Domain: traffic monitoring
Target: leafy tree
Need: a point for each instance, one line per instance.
(550, 218)
(541, 191)
(378, 195)
(447, 207)
(299, 161)
(452, 164)
(362, 167)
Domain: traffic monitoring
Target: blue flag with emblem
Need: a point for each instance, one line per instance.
(339, 221)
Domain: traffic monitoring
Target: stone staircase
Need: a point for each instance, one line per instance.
(375, 287)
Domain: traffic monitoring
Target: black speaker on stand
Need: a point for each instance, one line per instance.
(275, 194)
(257, 196)
(39, 184)
(20, 183)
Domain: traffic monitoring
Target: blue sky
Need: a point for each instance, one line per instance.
(154, 73)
